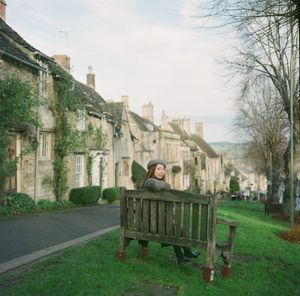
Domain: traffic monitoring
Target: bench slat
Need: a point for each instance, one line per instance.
(170, 224)
(130, 215)
(153, 216)
(146, 217)
(165, 239)
(169, 195)
(186, 220)
(178, 216)
(161, 217)
(138, 214)
(195, 221)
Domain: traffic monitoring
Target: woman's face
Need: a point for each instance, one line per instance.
(159, 171)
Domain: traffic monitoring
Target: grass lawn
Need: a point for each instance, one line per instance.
(264, 264)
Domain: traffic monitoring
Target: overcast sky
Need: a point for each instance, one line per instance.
(150, 50)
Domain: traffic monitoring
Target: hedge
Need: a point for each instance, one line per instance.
(85, 195)
(111, 194)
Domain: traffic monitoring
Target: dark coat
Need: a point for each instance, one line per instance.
(154, 184)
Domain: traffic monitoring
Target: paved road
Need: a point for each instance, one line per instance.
(23, 235)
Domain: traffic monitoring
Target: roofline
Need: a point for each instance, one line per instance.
(23, 61)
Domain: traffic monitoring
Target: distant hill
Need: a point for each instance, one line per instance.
(228, 149)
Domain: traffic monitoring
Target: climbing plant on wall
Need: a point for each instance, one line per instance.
(67, 137)
(97, 140)
(17, 105)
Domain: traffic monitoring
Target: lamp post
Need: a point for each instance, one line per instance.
(292, 205)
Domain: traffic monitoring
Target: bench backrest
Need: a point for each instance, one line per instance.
(167, 216)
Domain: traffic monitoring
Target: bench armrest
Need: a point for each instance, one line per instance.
(229, 223)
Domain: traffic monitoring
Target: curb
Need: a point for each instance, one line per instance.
(12, 264)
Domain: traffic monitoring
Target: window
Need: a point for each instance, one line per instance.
(44, 84)
(44, 145)
(196, 160)
(79, 170)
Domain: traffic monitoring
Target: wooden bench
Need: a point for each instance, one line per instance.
(273, 208)
(176, 218)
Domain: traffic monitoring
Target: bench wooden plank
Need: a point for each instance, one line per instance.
(169, 195)
(130, 214)
(170, 224)
(195, 221)
(178, 219)
(186, 220)
(138, 214)
(146, 216)
(153, 216)
(165, 239)
(162, 218)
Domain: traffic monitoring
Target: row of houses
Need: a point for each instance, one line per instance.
(116, 138)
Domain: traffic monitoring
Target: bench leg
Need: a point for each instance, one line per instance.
(208, 274)
(124, 242)
(226, 269)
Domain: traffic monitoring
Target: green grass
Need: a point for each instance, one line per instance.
(264, 264)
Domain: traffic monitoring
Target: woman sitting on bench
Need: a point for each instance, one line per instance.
(155, 181)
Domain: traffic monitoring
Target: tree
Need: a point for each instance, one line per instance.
(263, 122)
(269, 31)
(237, 12)
(234, 184)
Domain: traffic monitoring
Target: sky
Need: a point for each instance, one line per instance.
(150, 50)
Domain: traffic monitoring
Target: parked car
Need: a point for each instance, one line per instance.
(237, 196)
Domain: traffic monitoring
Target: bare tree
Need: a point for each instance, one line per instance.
(263, 123)
(238, 12)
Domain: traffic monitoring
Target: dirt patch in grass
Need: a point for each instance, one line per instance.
(149, 289)
(291, 235)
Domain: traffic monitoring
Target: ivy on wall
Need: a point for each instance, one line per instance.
(96, 139)
(17, 103)
(66, 137)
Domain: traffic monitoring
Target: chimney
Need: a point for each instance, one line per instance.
(164, 121)
(125, 100)
(3, 9)
(186, 124)
(90, 78)
(148, 111)
(62, 60)
(199, 129)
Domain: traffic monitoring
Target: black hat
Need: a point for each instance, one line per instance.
(156, 161)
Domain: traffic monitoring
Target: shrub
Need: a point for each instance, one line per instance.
(21, 202)
(45, 204)
(176, 169)
(85, 195)
(111, 194)
(4, 211)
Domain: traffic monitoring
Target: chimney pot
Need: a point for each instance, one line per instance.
(3, 9)
(148, 111)
(125, 100)
(90, 78)
(199, 129)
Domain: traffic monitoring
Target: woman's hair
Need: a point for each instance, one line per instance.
(150, 174)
